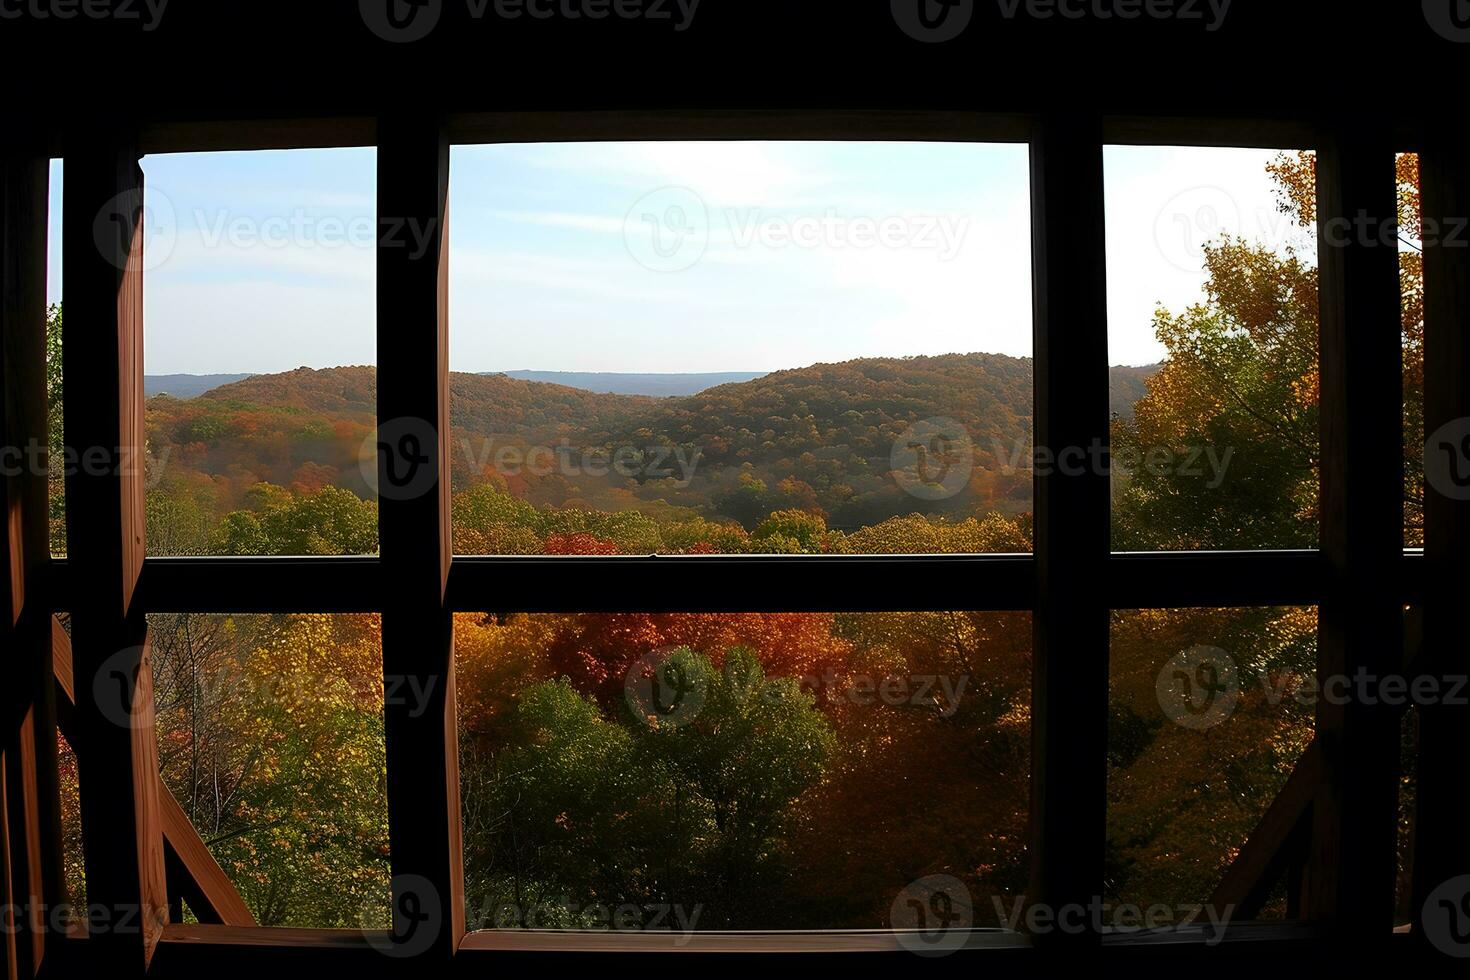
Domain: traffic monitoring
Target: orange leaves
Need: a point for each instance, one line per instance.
(579, 544)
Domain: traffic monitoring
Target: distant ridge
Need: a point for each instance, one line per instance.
(655, 385)
(187, 385)
(1127, 384)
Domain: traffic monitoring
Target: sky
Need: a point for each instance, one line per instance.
(669, 257)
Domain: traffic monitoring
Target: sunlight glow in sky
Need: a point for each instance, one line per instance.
(669, 257)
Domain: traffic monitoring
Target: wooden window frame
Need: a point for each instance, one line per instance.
(1360, 577)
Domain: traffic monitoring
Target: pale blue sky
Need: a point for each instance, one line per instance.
(767, 255)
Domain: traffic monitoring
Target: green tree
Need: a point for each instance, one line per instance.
(583, 809)
(330, 521)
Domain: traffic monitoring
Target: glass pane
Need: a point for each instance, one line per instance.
(55, 470)
(729, 771)
(73, 862)
(1212, 294)
(1210, 711)
(690, 348)
(1411, 288)
(1408, 799)
(260, 263)
(270, 736)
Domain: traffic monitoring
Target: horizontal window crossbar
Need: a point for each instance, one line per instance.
(741, 583)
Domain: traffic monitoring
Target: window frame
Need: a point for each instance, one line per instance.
(1070, 583)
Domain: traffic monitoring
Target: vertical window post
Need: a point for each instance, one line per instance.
(413, 502)
(103, 366)
(1351, 868)
(1070, 671)
(1441, 846)
(29, 795)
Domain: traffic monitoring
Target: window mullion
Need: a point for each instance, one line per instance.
(1441, 847)
(413, 455)
(103, 370)
(1350, 874)
(1070, 672)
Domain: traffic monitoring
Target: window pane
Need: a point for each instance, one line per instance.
(691, 348)
(270, 736)
(1212, 293)
(55, 470)
(1411, 288)
(749, 771)
(260, 263)
(73, 861)
(1209, 713)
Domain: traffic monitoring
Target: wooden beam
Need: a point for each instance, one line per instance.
(222, 135)
(209, 891)
(747, 124)
(1350, 876)
(711, 583)
(413, 509)
(1274, 844)
(1441, 846)
(103, 376)
(200, 880)
(34, 879)
(1070, 658)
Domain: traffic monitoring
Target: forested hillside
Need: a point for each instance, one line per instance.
(817, 439)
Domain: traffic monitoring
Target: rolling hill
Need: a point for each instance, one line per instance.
(656, 385)
(819, 437)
